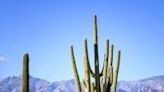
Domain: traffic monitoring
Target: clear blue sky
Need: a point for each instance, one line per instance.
(46, 29)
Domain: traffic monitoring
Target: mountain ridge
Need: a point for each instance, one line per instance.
(12, 84)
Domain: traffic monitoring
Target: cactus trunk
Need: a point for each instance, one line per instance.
(25, 74)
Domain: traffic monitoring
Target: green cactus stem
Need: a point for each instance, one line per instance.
(105, 67)
(76, 75)
(25, 74)
(114, 85)
(86, 67)
(96, 56)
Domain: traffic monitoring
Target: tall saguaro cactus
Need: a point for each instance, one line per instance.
(104, 81)
(25, 74)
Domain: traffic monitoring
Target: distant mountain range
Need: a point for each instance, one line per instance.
(12, 84)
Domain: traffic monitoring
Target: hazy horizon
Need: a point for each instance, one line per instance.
(46, 29)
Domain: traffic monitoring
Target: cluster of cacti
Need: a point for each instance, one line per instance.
(25, 74)
(104, 81)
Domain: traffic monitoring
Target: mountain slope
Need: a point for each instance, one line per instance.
(153, 84)
(12, 84)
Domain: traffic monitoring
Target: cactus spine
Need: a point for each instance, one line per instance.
(25, 73)
(104, 81)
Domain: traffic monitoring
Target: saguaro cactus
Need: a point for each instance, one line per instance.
(25, 74)
(104, 81)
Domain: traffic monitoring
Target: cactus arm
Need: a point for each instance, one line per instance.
(87, 76)
(86, 66)
(25, 75)
(76, 75)
(111, 75)
(111, 65)
(107, 50)
(109, 79)
(114, 85)
(104, 77)
(110, 70)
(105, 67)
(87, 56)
